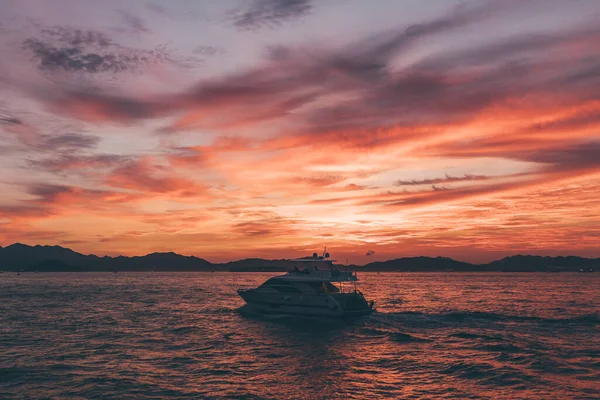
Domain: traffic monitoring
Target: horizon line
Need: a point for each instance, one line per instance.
(286, 259)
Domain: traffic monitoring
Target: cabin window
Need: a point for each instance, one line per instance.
(281, 286)
(275, 281)
(323, 287)
(287, 289)
(270, 282)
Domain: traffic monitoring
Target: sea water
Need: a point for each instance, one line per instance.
(148, 335)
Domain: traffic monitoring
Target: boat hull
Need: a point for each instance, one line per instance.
(335, 306)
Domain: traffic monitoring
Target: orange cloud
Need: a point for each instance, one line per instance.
(144, 175)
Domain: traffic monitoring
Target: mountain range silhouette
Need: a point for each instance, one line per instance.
(17, 257)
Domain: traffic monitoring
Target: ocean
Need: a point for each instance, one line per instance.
(150, 335)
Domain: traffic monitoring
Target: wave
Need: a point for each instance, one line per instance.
(406, 338)
(502, 348)
(9, 373)
(469, 335)
(468, 370)
(588, 320)
(556, 366)
(395, 336)
(184, 330)
(488, 374)
(224, 310)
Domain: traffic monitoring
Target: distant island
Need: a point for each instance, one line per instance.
(21, 257)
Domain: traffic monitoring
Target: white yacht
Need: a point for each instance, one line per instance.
(312, 287)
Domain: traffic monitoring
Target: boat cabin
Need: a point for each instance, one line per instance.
(319, 268)
(280, 284)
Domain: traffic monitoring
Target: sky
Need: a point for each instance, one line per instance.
(274, 128)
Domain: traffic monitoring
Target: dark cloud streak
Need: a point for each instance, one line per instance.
(49, 193)
(135, 23)
(77, 37)
(73, 59)
(71, 141)
(578, 156)
(69, 162)
(446, 179)
(67, 49)
(10, 121)
(270, 13)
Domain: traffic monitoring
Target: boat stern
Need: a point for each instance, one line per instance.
(354, 305)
